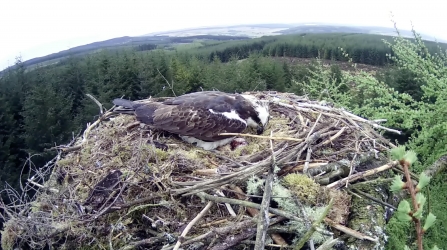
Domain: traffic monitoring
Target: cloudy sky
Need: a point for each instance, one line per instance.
(32, 28)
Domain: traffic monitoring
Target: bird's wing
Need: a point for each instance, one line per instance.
(189, 120)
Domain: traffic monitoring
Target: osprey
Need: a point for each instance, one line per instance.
(200, 117)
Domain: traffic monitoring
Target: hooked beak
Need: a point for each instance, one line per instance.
(260, 129)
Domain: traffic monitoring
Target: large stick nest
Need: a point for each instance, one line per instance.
(122, 185)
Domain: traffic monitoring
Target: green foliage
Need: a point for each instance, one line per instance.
(398, 153)
(397, 184)
(423, 181)
(403, 211)
(429, 221)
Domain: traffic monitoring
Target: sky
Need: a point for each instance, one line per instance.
(33, 28)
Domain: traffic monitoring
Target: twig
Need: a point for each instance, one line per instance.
(327, 245)
(85, 134)
(218, 231)
(244, 173)
(263, 219)
(267, 245)
(349, 231)
(278, 239)
(374, 199)
(409, 185)
(363, 174)
(306, 108)
(312, 229)
(338, 134)
(136, 244)
(313, 127)
(191, 223)
(171, 87)
(229, 208)
(265, 137)
(247, 204)
(53, 190)
(101, 110)
(306, 163)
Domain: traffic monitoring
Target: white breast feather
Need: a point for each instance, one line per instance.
(206, 145)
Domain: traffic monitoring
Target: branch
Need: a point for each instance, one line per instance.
(191, 223)
(171, 87)
(101, 109)
(349, 231)
(265, 137)
(314, 226)
(263, 219)
(247, 204)
(363, 174)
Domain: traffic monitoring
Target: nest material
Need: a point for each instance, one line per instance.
(123, 185)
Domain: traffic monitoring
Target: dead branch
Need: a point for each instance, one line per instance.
(247, 204)
(312, 229)
(167, 82)
(348, 230)
(363, 174)
(263, 218)
(191, 223)
(278, 239)
(264, 137)
(101, 107)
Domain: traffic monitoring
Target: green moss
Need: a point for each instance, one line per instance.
(302, 186)
(397, 232)
(161, 155)
(65, 162)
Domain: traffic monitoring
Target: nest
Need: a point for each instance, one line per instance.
(124, 186)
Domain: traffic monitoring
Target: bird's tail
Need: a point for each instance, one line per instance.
(124, 103)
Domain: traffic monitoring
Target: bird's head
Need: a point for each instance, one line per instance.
(260, 117)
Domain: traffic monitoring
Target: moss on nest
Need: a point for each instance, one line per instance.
(148, 200)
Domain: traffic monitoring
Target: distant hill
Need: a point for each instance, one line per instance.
(123, 42)
(258, 30)
(222, 33)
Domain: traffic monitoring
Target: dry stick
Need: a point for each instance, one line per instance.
(101, 108)
(191, 223)
(267, 245)
(301, 107)
(309, 233)
(265, 137)
(171, 87)
(242, 174)
(359, 175)
(355, 117)
(338, 134)
(263, 219)
(217, 231)
(247, 204)
(328, 244)
(53, 190)
(136, 244)
(278, 239)
(373, 198)
(349, 231)
(229, 208)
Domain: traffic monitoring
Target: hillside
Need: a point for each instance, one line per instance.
(169, 39)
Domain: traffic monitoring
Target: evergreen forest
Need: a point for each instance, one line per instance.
(47, 105)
